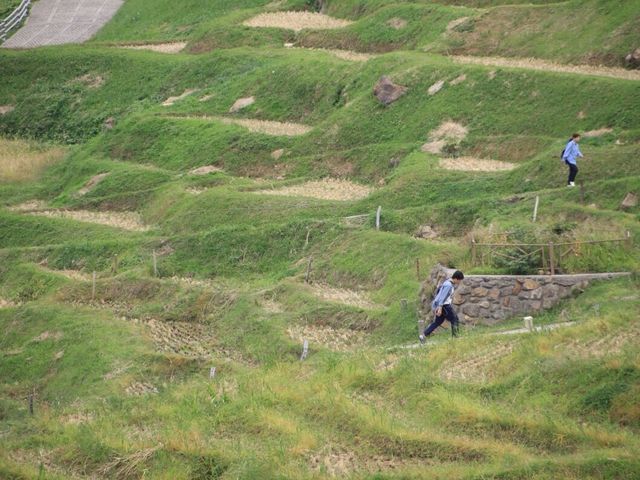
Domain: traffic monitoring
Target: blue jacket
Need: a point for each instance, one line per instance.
(571, 152)
(446, 291)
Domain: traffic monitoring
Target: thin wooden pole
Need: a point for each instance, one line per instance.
(535, 208)
(418, 268)
(378, 212)
(473, 251)
(629, 239)
(308, 274)
(93, 286)
(155, 264)
(552, 259)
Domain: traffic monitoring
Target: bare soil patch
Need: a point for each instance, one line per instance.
(471, 164)
(47, 335)
(6, 303)
(455, 23)
(446, 133)
(138, 389)
(436, 87)
(337, 339)
(242, 103)
(189, 339)
(4, 109)
(339, 462)
(29, 206)
(92, 183)
(70, 274)
(296, 21)
(286, 129)
(477, 367)
(598, 132)
(542, 65)
(349, 55)
(342, 295)
(171, 100)
(283, 129)
(90, 80)
(396, 23)
(124, 220)
(327, 189)
(205, 170)
(172, 48)
(458, 80)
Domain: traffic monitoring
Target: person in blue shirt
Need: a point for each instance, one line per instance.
(570, 156)
(442, 308)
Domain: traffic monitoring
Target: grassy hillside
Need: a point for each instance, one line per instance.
(102, 152)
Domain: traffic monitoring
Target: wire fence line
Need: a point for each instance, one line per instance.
(14, 19)
(548, 255)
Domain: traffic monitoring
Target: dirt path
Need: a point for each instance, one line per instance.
(296, 21)
(545, 66)
(471, 164)
(327, 189)
(348, 55)
(171, 48)
(124, 220)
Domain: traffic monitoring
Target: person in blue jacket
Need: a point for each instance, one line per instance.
(570, 156)
(442, 306)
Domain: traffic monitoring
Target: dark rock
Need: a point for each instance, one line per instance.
(388, 92)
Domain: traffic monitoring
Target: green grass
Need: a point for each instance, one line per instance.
(238, 273)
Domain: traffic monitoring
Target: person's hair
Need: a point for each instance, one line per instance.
(458, 275)
(575, 135)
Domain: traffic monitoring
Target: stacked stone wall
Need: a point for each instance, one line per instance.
(489, 299)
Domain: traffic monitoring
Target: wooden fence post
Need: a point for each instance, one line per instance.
(378, 212)
(114, 266)
(93, 286)
(629, 239)
(418, 268)
(552, 259)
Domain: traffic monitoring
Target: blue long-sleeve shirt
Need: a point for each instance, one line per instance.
(571, 152)
(444, 295)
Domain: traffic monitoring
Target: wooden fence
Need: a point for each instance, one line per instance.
(550, 255)
(14, 19)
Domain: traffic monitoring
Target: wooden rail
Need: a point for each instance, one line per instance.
(14, 19)
(551, 254)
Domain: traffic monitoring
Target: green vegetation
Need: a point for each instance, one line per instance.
(194, 270)
(7, 6)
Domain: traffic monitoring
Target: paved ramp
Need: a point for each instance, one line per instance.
(54, 22)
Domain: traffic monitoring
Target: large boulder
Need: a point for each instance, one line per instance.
(633, 59)
(388, 92)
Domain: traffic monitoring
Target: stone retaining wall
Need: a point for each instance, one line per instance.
(488, 299)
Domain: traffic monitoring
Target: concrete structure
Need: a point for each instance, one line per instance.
(55, 22)
(488, 299)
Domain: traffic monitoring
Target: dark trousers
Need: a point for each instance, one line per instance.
(447, 314)
(573, 171)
